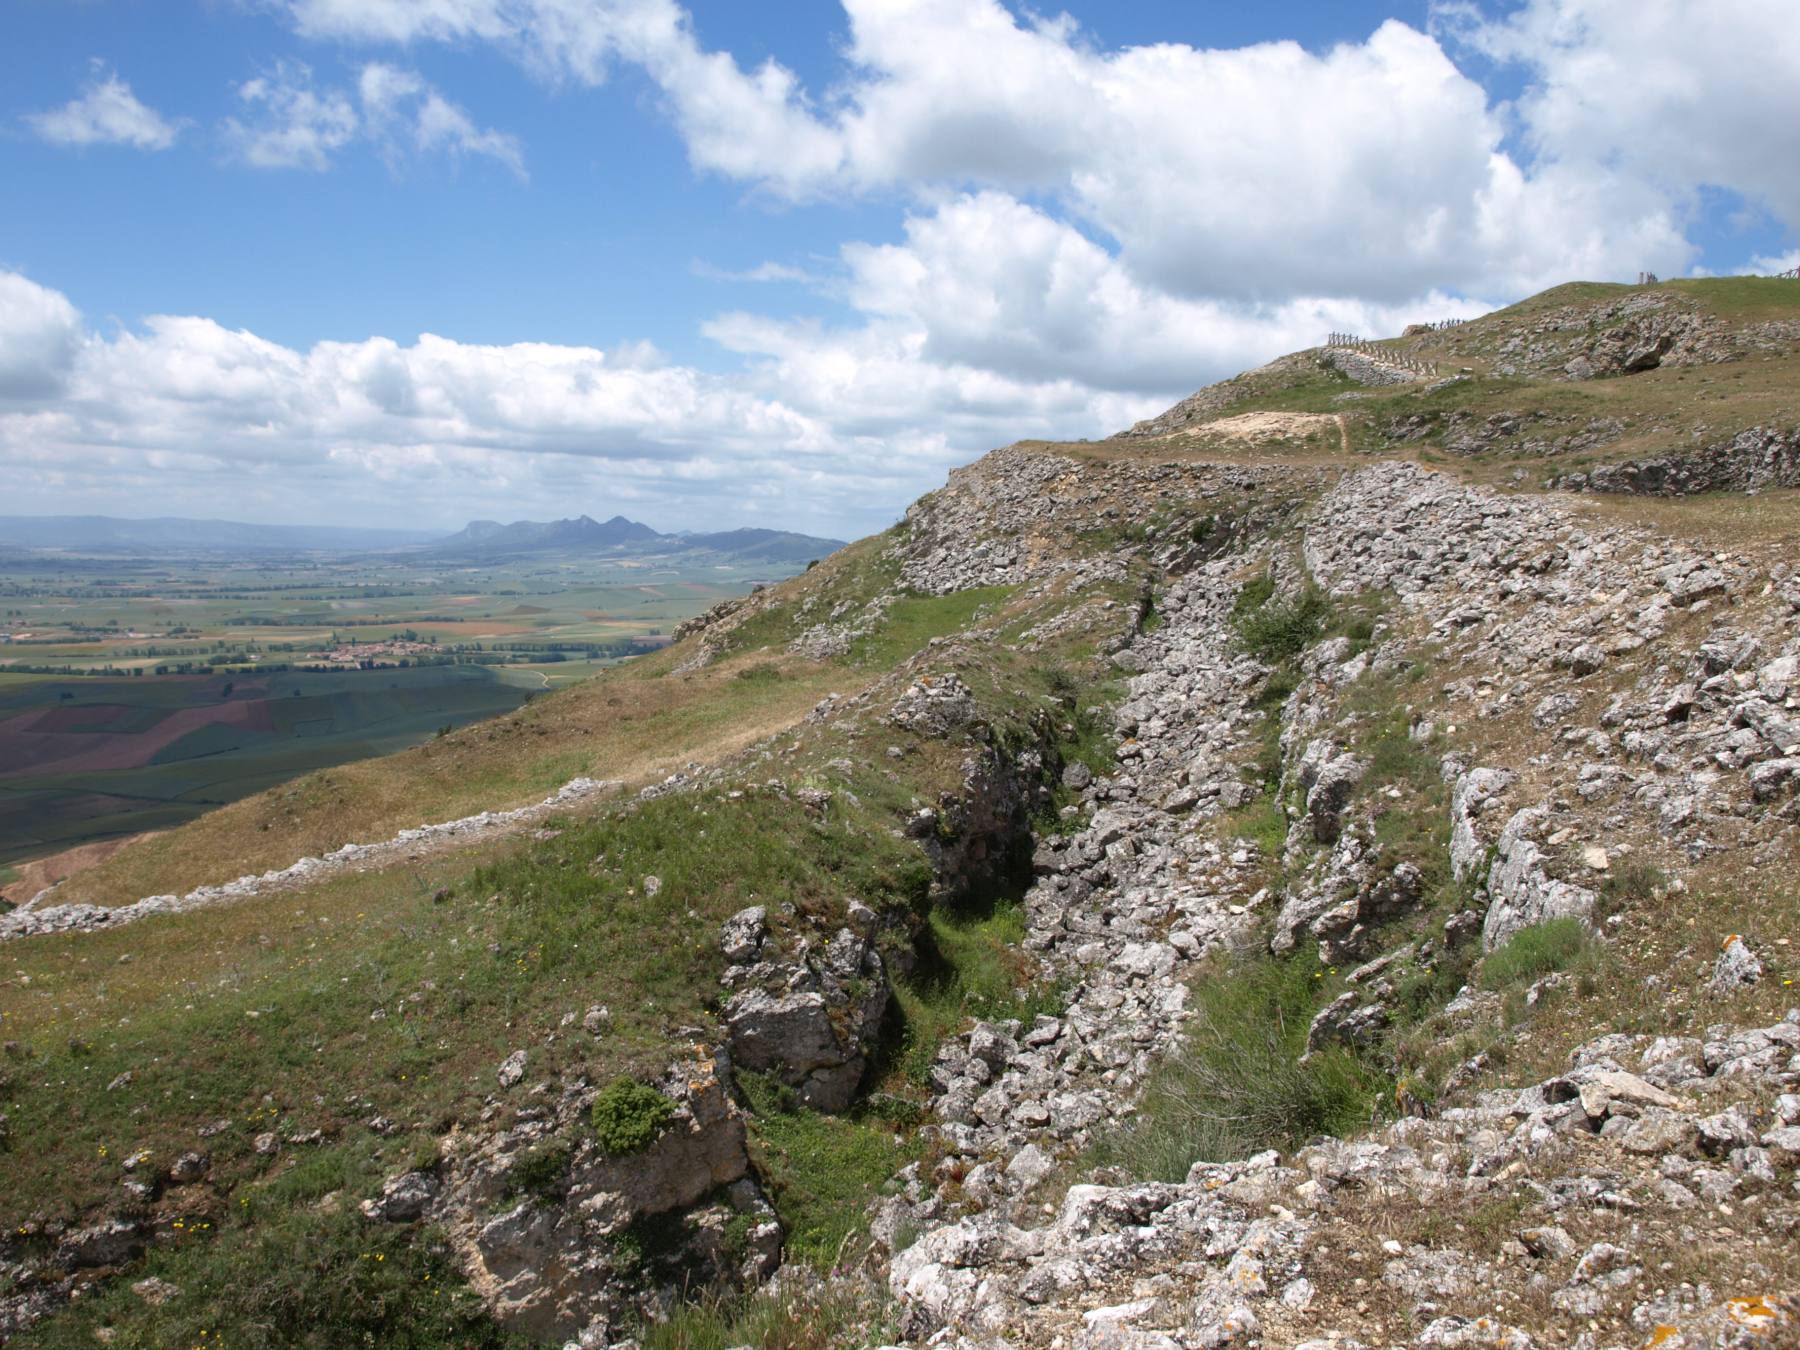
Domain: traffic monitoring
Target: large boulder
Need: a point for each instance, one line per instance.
(793, 1037)
(1523, 892)
(403, 1198)
(742, 936)
(1736, 967)
(1470, 796)
(808, 1020)
(107, 1243)
(548, 1265)
(1328, 795)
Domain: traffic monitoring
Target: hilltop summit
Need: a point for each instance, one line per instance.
(488, 539)
(523, 536)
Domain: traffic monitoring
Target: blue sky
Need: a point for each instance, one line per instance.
(609, 239)
(417, 260)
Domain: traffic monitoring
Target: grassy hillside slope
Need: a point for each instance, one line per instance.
(871, 754)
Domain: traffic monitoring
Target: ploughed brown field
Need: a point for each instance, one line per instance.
(101, 737)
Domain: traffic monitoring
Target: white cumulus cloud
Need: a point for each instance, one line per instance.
(40, 336)
(105, 113)
(1661, 91)
(400, 109)
(1376, 169)
(988, 281)
(290, 123)
(197, 416)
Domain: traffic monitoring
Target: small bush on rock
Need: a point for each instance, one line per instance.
(627, 1117)
(542, 1172)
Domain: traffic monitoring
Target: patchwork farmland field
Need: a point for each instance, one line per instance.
(137, 693)
(84, 759)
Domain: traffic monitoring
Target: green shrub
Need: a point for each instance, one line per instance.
(1532, 953)
(627, 1117)
(1256, 593)
(1263, 823)
(542, 1172)
(1421, 990)
(903, 1113)
(1274, 629)
(1062, 682)
(1385, 736)
(1282, 681)
(1238, 1086)
(970, 964)
(275, 1273)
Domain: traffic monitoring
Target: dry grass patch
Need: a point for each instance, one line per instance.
(1662, 955)
(1767, 525)
(1732, 1251)
(1190, 447)
(21, 881)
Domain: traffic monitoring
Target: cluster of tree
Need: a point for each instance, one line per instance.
(152, 651)
(29, 668)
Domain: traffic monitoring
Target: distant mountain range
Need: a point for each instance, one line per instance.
(489, 539)
(480, 540)
(175, 533)
(536, 536)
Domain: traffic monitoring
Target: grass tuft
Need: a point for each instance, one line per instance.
(823, 1318)
(821, 1170)
(1532, 953)
(970, 966)
(1239, 1085)
(913, 620)
(1634, 881)
(542, 1172)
